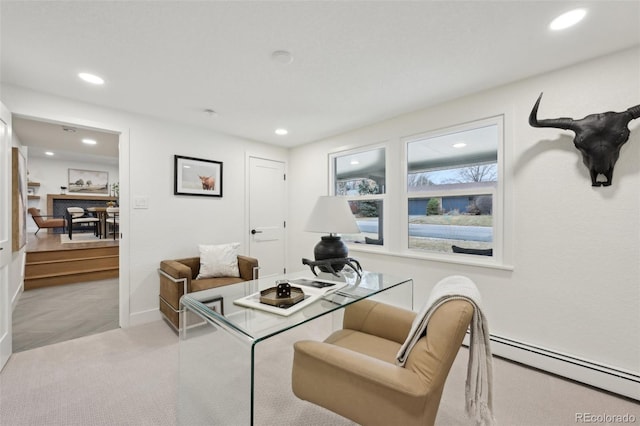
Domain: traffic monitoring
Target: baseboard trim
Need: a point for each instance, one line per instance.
(612, 379)
(143, 317)
(16, 296)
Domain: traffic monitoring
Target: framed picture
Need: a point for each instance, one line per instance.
(88, 181)
(195, 176)
(18, 200)
(215, 304)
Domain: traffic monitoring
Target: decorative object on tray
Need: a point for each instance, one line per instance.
(599, 137)
(283, 295)
(310, 290)
(331, 215)
(333, 265)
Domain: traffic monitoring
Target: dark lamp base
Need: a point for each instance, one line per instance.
(330, 247)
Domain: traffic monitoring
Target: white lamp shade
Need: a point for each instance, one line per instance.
(332, 215)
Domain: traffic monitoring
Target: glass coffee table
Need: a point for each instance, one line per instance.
(219, 339)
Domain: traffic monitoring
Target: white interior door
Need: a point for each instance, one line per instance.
(5, 235)
(267, 214)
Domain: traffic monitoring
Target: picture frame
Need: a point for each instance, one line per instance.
(88, 181)
(18, 200)
(215, 304)
(197, 176)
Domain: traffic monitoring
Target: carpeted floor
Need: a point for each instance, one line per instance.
(48, 315)
(130, 377)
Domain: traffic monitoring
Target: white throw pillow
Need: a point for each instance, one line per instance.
(219, 260)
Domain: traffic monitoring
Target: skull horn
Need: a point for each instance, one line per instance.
(558, 123)
(634, 111)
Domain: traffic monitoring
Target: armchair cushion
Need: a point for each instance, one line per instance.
(219, 260)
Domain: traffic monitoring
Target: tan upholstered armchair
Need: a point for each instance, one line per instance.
(178, 277)
(353, 372)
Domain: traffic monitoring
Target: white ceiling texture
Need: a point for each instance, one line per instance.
(354, 62)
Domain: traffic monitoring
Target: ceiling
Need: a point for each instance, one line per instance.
(64, 142)
(354, 62)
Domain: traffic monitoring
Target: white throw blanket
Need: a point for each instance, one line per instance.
(479, 368)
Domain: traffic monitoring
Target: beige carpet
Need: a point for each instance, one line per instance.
(48, 315)
(130, 377)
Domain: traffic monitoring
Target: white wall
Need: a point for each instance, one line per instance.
(575, 250)
(172, 226)
(52, 174)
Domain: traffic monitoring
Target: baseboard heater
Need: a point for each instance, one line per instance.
(618, 381)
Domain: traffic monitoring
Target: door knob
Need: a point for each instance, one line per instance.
(254, 232)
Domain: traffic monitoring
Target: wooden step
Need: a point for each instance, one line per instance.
(86, 276)
(68, 266)
(50, 255)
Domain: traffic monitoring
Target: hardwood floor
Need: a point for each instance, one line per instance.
(48, 315)
(49, 241)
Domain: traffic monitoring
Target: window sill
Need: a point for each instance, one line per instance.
(458, 259)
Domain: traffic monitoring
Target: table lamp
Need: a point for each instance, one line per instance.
(331, 215)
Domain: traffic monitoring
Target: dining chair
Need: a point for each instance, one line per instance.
(113, 219)
(77, 215)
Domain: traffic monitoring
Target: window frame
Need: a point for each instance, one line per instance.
(369, 197)
(497, 192)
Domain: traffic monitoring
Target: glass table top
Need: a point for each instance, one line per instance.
(257, 324)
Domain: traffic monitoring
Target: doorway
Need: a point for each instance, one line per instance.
(267, 214)
(5, 242)
(74, 147)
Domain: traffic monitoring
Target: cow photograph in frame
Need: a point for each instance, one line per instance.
(196, 176)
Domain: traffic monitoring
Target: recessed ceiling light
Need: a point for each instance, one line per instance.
(89, 141)
(91, 78)
(281, 132)
(459, 145)
(354, 162)
(567, 19)
(49, 153)
(282, 57)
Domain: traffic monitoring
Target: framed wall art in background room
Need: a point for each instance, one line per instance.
(88, 181)
(18, 200)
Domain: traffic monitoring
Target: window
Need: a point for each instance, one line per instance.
(361, 176)
(452, 189)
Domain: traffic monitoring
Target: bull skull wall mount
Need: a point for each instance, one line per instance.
(599, 137)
